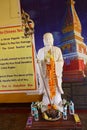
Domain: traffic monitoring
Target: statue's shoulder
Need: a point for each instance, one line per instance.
(56, 48)
(41, 50)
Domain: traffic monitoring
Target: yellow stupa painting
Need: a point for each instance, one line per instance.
(73, 47)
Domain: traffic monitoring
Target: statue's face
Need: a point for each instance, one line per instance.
(48, 39)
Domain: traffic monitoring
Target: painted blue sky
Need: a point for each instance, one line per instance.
(48, 16)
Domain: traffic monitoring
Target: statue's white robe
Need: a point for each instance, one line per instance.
(41, 71)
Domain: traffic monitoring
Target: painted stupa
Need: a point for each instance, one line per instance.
(73, 47)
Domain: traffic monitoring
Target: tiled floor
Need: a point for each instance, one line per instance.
(12, 121)
(15, 118)
(83, 117)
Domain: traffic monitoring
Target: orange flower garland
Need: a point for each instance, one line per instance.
(50, 69)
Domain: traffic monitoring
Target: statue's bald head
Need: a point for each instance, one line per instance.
(48, 39)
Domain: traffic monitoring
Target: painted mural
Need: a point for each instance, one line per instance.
(67, 20)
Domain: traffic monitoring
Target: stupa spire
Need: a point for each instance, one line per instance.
(71, 20)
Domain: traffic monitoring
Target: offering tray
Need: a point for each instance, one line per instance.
(50, 118)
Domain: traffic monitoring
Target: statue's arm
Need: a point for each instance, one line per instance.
(59, 62)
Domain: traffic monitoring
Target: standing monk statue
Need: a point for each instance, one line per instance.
(51, 62)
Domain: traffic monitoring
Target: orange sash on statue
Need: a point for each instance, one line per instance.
(52, 80)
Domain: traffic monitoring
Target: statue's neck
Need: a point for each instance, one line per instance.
(48, 47)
